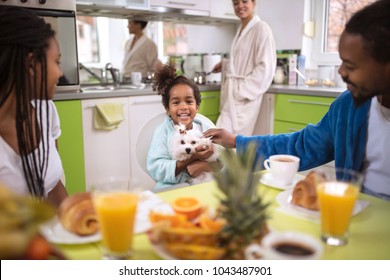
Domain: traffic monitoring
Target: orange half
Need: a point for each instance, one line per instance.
(175, 220)
(209, 223)
(189, 206)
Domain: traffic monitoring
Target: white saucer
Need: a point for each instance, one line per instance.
(268, 180)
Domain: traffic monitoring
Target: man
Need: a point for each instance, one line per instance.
(140, 51)
(355, 132)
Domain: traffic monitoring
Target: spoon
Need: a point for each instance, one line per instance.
(300, 74)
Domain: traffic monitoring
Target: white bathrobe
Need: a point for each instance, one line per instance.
(248, 75)
(142, 57)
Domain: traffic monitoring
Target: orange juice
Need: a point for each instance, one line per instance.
(336, 202)
(116, 214)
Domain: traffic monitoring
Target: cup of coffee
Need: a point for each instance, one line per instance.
(283, 168)
(136, 78)
(288, 245)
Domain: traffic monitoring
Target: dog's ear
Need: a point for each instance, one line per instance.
(180, 128)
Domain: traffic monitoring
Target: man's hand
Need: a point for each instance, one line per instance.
(221, 137)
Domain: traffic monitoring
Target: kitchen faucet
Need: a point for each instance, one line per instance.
(93, 74)
(114, 74)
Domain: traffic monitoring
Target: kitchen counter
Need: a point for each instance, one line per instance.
(285, 89)
(91, 94)
(306, 90)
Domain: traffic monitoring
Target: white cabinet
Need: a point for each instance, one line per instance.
(106, 153)
(116, 3)
(203, 5)
(265, 121)
(141, 110)
(222, 9)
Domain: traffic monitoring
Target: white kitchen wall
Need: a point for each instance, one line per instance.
(285, 17)
(210, 39)
(201, 39)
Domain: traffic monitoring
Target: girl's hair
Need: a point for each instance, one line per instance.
(166, 79)
(24, 39)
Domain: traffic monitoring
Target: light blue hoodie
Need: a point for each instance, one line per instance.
(159, 163)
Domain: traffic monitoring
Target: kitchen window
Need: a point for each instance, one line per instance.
(331, 16)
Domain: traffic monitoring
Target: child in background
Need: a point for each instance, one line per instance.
(181, 99)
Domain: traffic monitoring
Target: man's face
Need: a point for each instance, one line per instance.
(365, 77)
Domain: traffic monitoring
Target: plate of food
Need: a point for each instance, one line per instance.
(161, 252)
(55, 232)
(268, 180)
(301, 200)
(285, 201)
(76, 222)
(191, 233)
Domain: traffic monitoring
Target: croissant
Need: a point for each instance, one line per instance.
(77, 214)
(304, 193)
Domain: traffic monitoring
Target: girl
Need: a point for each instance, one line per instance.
(181, 99)
(29, 124)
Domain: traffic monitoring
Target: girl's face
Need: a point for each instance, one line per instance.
(244, 8)
(54, 72)
(182, 105)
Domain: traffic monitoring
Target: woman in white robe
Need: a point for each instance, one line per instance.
(248, 73)
(140, 51)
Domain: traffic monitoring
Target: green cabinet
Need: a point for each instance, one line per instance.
(209, 106)
(294, 112)
(70, 144)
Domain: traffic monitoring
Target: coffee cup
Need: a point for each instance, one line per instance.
(283, 168)
(136, 78)
(288, 245)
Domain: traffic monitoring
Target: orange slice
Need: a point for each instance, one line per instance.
(175, 220)
(188, 206)
(209, 223)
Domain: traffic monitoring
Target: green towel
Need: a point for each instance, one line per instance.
(108, 116)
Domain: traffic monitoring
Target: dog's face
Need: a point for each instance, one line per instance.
(184, 143)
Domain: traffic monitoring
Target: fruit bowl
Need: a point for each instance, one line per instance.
(189, 233)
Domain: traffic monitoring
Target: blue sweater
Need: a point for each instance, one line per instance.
(340, 135)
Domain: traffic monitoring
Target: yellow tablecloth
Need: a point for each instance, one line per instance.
(369, 230)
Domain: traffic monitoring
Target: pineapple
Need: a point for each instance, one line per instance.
(241, 205)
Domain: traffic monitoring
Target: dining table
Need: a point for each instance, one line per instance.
(369, 237)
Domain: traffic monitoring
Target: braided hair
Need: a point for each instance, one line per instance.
(24, 40)
(166, 79)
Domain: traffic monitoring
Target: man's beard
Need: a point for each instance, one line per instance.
(363, 94)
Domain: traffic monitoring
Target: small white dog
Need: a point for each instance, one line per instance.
(183, 145)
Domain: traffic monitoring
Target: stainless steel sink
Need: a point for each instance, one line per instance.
(97, 88)
(109, 88)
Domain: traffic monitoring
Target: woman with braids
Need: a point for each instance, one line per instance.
(181, 99)
(29, 123)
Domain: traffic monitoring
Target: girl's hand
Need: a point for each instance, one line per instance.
(197, 167)
(203, 152)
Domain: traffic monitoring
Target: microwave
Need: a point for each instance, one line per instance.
(62, 17)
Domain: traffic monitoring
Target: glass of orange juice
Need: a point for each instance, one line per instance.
(337, 196)
(116, 208)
